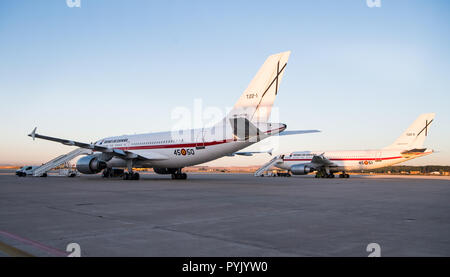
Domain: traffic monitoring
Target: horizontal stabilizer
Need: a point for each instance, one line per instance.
(251, 153)
(244, 130)
(298, 132)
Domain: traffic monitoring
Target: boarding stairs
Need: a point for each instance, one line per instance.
(267, 166)
(60, 160)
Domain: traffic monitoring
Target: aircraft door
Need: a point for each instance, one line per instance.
(378, 157)
(200, 140)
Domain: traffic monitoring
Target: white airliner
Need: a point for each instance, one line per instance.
(169, 152)
(408, 146)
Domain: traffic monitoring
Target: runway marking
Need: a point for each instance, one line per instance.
(12, 251)
(35, 244)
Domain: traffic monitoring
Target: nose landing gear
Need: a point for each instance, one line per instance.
(131, 176)
(178, 175)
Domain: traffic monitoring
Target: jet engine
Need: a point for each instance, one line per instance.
(301, 169)
(90, 165)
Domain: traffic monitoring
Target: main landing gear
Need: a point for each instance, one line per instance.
(118, 172)
(178, 175)
(331, 175)
(344, 175)
(324, 174)
(130, 175)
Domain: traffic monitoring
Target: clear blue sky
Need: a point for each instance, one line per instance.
(360, 74)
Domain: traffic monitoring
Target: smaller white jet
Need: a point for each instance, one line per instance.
(325, 163)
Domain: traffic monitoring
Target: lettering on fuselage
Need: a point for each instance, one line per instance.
(114, 141)
(184, 152)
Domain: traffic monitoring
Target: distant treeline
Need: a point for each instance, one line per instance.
(405, 168)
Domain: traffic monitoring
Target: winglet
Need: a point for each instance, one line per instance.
(33, 133)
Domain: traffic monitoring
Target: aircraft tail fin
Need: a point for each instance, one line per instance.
(414, 137)
(256, 102)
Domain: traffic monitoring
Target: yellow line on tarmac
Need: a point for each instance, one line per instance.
(12, 251)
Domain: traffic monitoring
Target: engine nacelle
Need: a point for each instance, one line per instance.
(301, 169)
(161, 170)
(90, 165)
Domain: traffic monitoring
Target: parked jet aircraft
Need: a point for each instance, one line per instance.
(408, 146)
(169, 152)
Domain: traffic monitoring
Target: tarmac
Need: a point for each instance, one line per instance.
(224, 215)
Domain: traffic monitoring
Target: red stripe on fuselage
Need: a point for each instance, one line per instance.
(349, 159)
(183, 145)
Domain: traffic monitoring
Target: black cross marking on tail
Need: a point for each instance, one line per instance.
(271, 83)
(278, 73)
(425, 128)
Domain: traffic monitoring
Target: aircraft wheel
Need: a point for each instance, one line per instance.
(135, 176)
(107, 173)
(179, 176)
(126, 176)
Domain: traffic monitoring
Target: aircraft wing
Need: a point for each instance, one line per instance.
(124, 154)
(152, 156)
(320, 160)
